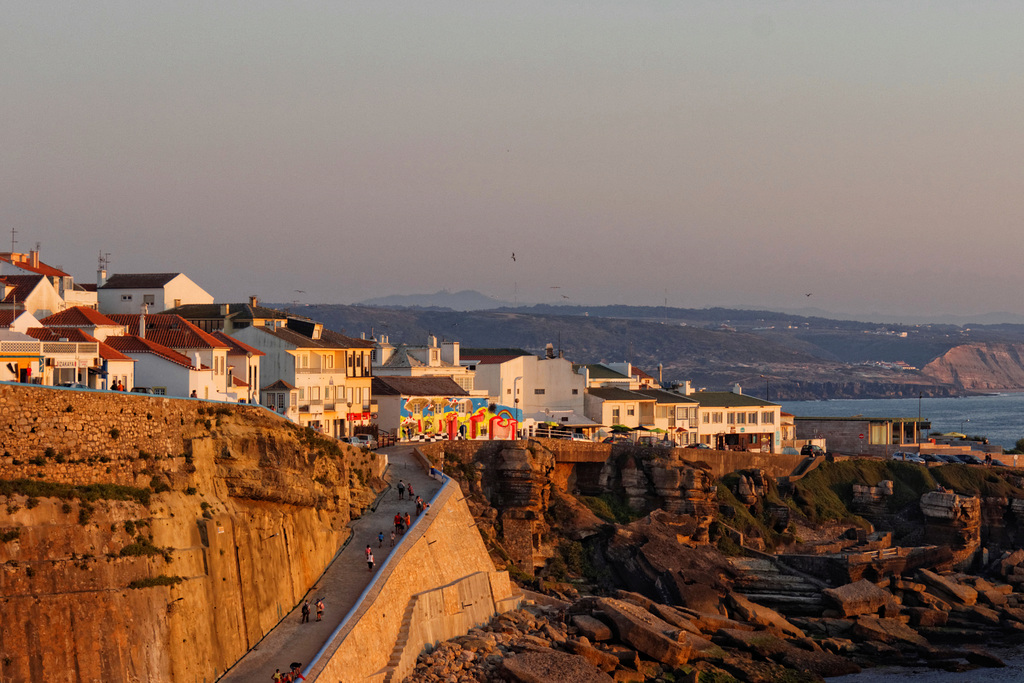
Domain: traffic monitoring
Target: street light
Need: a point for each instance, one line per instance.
(962, 426)
(765, 378)
(515, 399)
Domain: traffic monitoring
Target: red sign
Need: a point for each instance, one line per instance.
(861, 436)
(357, 416)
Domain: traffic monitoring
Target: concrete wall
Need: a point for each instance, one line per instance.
(396, 618)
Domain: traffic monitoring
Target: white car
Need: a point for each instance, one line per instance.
(908, 457)
(366, 440)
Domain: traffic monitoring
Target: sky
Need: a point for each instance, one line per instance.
(691, 153)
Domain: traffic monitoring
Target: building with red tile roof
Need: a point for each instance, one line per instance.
(88, 319)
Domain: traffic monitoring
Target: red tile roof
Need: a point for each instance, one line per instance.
(133, 344)
(41, 269)
(8, 316)
(236, 346)
(23, 285)
(237, 382)
(497, 359)
(61, 334)
(79, 316)
(172, 331)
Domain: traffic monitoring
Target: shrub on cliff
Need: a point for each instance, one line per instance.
(88, 492)
(162, 580)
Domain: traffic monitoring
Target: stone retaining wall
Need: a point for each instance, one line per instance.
(397, 618)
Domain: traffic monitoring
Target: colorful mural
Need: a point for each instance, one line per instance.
(457, 417)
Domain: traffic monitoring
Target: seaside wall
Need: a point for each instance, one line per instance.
(573, 455)
(397, 618)
(226, 516)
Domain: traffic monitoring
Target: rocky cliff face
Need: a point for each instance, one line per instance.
(158, 539)
(980, 367)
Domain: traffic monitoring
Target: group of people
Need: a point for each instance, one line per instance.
(292, 675)
(306, 610)
(117, 385)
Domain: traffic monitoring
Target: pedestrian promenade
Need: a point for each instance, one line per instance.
(342, 583)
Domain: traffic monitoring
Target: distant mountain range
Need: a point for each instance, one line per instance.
(471, 300)
(466, 300)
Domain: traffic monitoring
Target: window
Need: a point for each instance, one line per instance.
(538, 392)
(329, 362)
(752, 418)
(706, 418)
(302, 393)
(160, 391)
(126, 297)
(177, 302)
(768, 417)
(350, 394)
(741, 418)
(149, 299)
(716, 417)
(575, 392)
(662, 412)
(615, 415)
(508, 391)
(630, 411)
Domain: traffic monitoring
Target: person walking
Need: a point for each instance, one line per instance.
(380, 539)
(369, 562)
(401, 490)
(320, 607)
(392, 539)
(410, 491)
(398, 523)
(305, 612)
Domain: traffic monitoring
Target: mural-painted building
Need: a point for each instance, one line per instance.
(438, 406)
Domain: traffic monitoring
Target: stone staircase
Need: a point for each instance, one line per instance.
(399, 649)
(762, 580)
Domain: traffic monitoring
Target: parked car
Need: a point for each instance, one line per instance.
(616, 439)
(933, 458)
(907, 456)
(811, 450)
(968, 459)
(699, 445)
(947, 458)
(998, 463)
(141, 390)
(578, 437)
(367, 440)
(74, 385)
(350, 440)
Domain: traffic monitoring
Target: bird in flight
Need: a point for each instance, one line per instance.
(513, 256)
(301, 291)
(564, 296)
(806, 294)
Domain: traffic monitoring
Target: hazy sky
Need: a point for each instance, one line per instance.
(711, 153)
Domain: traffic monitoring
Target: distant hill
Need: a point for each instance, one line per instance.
(799, 357)
(466, 300)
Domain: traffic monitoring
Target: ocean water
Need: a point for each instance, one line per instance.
(999, 417)
(1012, 673)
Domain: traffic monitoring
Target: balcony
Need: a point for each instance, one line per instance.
(319, 371)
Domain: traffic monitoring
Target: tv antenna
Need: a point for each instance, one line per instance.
(13, 241)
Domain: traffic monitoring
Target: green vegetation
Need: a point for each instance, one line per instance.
(755, 521)
(977, 481)
(162, 580)
(143, 547)
(610, 508)
(86, 492)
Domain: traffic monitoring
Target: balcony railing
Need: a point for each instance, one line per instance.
(320, 371)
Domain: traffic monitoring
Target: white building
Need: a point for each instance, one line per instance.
(166, 371)
(129, 292)
(531, 384)
(432, 360)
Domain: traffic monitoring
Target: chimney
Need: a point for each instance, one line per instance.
(142, 321)
(253, 301)
(661, 379)
(225, 309)
(737, 389)
(549, 350)
(34, 258)
(198, 363)
(101, 277)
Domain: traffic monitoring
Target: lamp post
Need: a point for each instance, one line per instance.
(962, 426)
(765, 378)
(917, 431)
(515, 400)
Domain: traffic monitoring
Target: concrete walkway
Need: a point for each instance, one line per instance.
(342, 583)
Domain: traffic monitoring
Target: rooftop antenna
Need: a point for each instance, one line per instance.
(13, 241)
(104, 260)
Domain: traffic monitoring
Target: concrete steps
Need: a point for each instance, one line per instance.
(399, 649)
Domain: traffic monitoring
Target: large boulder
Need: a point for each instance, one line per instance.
(947, 588)
(890, 631)
(652, 636)
(753, 613)
(543, 667)
(861, 597)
